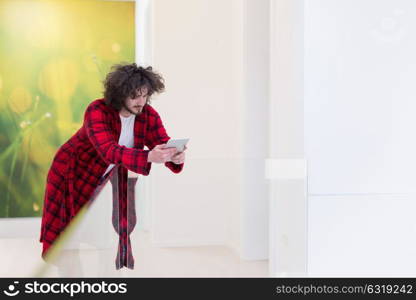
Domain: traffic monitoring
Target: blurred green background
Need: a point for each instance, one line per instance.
(53, 58)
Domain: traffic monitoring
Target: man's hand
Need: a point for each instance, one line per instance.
(161, 155)
(179, 158)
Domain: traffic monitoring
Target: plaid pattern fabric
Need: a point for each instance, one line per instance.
(79, 164)
(124, 218)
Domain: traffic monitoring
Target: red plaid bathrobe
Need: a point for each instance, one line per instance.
(80, 163)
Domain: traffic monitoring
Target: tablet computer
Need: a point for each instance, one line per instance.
(179, 144)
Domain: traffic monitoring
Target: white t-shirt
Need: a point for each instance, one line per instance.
(126, 135)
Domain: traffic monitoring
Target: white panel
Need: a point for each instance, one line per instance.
(288, 228)
(360, 71)
(362, 236)
(288, 205)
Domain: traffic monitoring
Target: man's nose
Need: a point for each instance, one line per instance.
(141, 100)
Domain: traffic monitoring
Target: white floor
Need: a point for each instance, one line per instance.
(21, 258)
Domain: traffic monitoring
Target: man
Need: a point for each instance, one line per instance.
(114, 133)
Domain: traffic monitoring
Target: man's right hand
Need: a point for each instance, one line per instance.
(159, 154)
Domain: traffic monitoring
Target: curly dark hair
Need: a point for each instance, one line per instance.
(126, 80)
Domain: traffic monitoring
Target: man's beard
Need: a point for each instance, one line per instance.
(132, 112)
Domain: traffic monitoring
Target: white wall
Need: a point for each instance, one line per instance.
(342, 100)
(197, 48)
(359, 106)
(255, 127)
